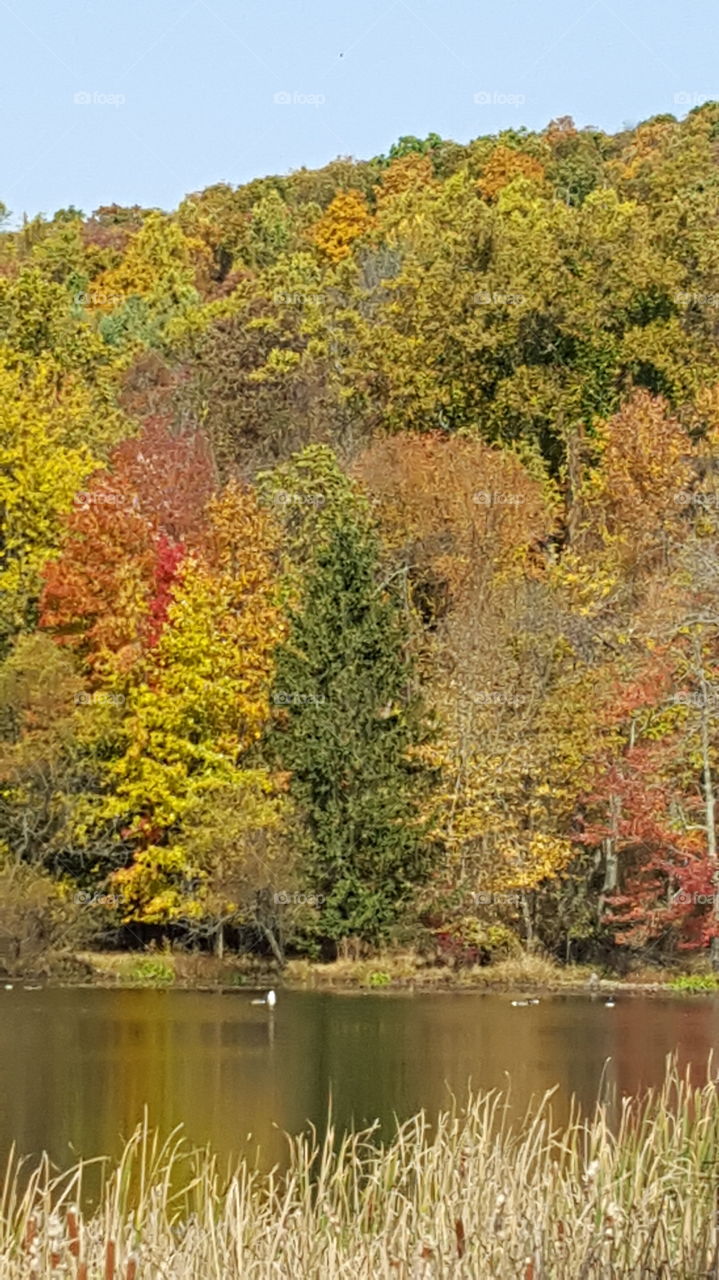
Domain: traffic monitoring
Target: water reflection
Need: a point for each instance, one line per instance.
(77, 1068)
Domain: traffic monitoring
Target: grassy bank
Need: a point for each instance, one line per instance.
(473, 1197)
(392, 970)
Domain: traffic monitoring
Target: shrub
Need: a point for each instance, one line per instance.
(39, 920)
(468, 941)
(152, 971)
(694, 982)
(378, 978)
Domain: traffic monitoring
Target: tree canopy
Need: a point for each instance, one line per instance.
(358, 535)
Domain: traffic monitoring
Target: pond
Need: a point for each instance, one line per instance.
(78, 1066)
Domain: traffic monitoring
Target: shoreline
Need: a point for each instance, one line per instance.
(391, 974)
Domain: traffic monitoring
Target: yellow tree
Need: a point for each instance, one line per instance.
(201, 705)
(636, 496)
(346, 219)
(464, 523)
(161, 265)
(52, 439)
(503, 166)
(407, 173)
(454, 513)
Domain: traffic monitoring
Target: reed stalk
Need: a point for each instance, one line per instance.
(626, 1193)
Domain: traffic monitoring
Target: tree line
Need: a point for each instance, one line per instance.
(358, 553)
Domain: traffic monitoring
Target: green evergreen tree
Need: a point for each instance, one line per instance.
(351, 725)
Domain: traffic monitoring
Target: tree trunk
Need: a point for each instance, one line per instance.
(274, 945)
(611, 858)
(528, 926)
(220, 942)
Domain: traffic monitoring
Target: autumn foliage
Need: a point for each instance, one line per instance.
(106, 595)
(359, 533)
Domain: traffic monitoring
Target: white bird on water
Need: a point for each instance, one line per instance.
(270, 1000)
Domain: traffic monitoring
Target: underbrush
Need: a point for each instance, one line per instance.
(694, 982)
(408, 969)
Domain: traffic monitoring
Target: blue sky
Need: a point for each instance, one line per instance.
(142, 101)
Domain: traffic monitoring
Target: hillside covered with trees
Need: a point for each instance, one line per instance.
(359, 554)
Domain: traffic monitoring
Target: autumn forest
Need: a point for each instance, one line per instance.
(359, 556)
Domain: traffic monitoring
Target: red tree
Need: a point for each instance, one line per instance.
(644, 813)
(106, 594)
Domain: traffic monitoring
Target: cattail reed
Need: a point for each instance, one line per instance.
(109, 1273)
(475, 1195)
(73, 1232)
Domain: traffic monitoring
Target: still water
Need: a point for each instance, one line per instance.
(77, 1067)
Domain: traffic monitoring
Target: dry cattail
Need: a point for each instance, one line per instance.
(110, 1260)
(459, 1233)
(73, 1232)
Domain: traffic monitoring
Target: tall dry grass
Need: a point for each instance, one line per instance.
(472, 1196)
